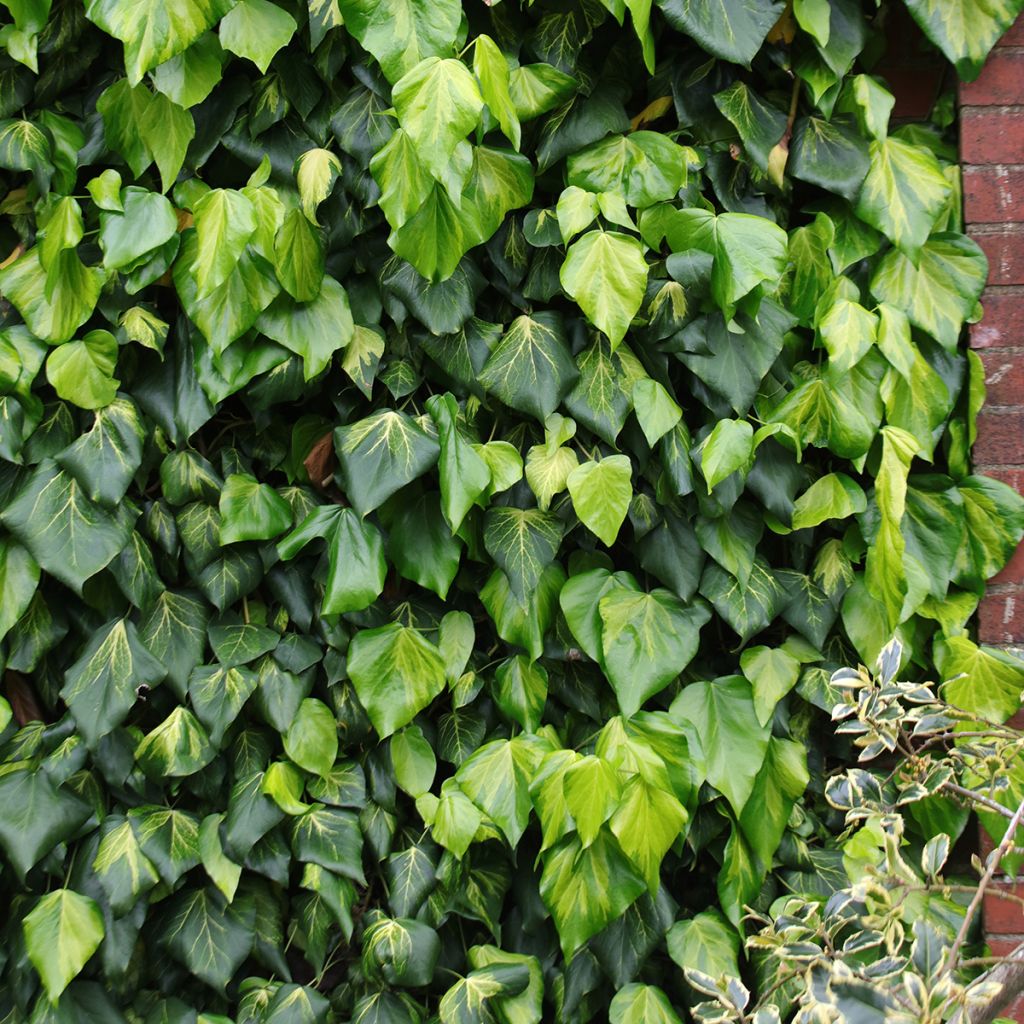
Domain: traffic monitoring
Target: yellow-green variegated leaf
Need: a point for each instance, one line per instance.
(396, 673)
(605, 272)
(903, 194)
(938, 291)
(965, 30)
(641, 1004)
(586, 889)
(123, 870)
(177, 747)
(601, 493)
(62, 931)
(153, 31)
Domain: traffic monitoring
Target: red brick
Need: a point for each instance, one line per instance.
(1004, 376)
(1001, 621)
(993, 194)
(1003, 324)
(1004, 917)
(1014, 35)
(1001, 80)
(1000, 437)
(1012, 476)
(992, 135)
(1013, 572)
(1003, 244)
(1003, 945)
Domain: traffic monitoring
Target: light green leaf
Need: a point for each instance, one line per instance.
(521, 690)
(728, 448)
(707, 943)
(647, 821)
(396, 674)
(780, 783)
(438, 103)
(641, 1004)
(250, 510)
(223, 872)
(122, 869)
(605, 272)
(456, 819)
(964, 30)
(82, 372)
(903, 194)
(497, 779)
(772, 674)
(643, 167)
(312, 738)
(656, 410)
(53, 305)
(592, 791)
(524, 1008)
(314, 330)
(723, 715)
(586, 889)
(316, 171)
(299, 257)
(153, 31)
(601, 493)
(190, 76)
(62, 931)
(464, 474)
(178, 746)
(225, 221)
(402, 34)
(576, 209)
(256, 29)
(492, 72)
(992, 683)
(145, 222)
(413, 760)
(832, 496)
(848, 331)
(941, 291)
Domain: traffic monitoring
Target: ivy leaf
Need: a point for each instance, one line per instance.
(781, 781)
(707, 943)
(190, 76)
(497, 779)
(316, 171)
(332, 839)
(746, 250)
(210, 939)
(903, 193)
(314, 330)
(644, 167)
(522, 543)
(464, 475)
(723, 715)
(312, 738)
(941, 291)
(833, 496)
(404, 33)
(250, 510)
(62, 931)
(35, 816)
(772, 674)
(54, 303)
(396, 674)
(492, 72)
(732, 31)
(256, 29)
(525, 1007)
(19, 578)
(646, 641)
(656, 410)
(82, 372)
(530, 369)
(401, 950)
(169, 838)
(647, 821)
(438, 103)
(605, 272)
(964, 30)
(218, 693)
(299, 257)
(586, 889)
(381, 454)
(124, 872)
(760, 126)
(601, 493)
(179, 746)
(468, 1000)
(829, 154)
(991, 680)
(145, 222)
(641, 1004)
(151, 31)
(728, 448)
(101, 687)
(523, 622)
(173, 630)
(355, 550)
(521, 691)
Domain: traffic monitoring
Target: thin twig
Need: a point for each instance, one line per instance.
(995, 857)
(985, 802)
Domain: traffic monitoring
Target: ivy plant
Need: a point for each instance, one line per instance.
(445, 450)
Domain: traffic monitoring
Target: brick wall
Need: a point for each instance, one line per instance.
(992, 154)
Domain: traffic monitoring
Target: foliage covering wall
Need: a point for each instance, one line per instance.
(446, 449)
